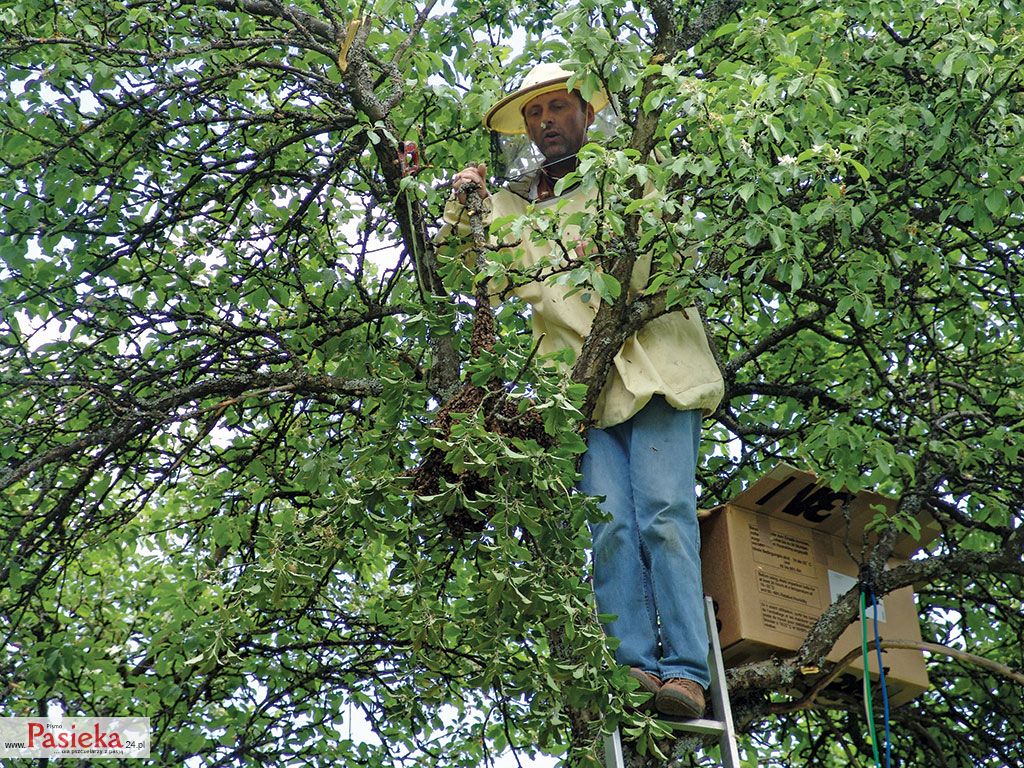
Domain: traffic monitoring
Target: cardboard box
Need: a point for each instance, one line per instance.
(776, 556)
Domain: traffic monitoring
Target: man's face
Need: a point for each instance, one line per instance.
(557, 123)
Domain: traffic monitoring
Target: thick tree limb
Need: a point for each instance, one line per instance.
(615, 321)
(841, 614)
(444, 370)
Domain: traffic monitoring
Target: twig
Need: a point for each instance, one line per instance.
(807, 701)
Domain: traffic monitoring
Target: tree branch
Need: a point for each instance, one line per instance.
(807, 700)
(302, 20)
(149, 413)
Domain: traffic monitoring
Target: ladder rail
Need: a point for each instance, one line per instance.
(719, 690)
(613, 757)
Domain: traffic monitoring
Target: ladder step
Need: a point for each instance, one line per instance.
(700, 725)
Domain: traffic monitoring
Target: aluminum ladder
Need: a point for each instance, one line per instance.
(721, 725)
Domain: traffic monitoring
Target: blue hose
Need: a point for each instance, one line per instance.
(881, 681)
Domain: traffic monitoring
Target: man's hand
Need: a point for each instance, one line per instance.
(475, 174)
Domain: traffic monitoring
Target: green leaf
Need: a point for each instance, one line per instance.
(861, 170)
(607, 287)
(995, 201)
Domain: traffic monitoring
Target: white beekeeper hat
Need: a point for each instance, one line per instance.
(507, 115)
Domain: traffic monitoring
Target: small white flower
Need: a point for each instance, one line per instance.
(787, 160)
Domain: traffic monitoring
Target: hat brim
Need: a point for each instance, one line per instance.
(506, 116)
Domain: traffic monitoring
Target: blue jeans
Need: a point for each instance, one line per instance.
(647, 557)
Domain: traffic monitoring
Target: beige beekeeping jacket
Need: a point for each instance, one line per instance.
(669, 356)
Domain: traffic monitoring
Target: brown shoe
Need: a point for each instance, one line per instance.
(649, 684)
(680, 698)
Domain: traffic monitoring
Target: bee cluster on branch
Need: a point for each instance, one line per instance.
(501, 415)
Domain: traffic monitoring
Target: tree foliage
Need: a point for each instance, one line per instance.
(227, 331)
